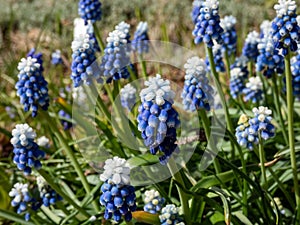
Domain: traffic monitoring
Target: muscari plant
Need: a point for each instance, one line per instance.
(250, 181)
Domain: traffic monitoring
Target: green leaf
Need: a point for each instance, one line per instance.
(242, 217)
(142, 160)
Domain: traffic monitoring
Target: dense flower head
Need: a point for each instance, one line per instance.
(83, 58)
(218, 59)
(241, 62)
(170, 216)
(197, 92)
(124, 28)
(128, 96)
(153, 201)
(89, 10)
(116, 57)
(250, 49)
(208, 27)
(27, 154)
(56, 57)
(140, 42)
(32, 88)
(197, 4)
(295, 69)
(47, 194)
(22, 200)
(157, 119)
(229, 36)
(285, 29)
(253, 90)
(243, 135)
(238, 79)
(43, 142)
(265, 28)
(65, 120)
(269, 60)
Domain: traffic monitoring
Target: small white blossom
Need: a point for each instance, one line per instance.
(21, 134)
(210, 4)
(262, 112)
(252, 38)
(42, 185)
(81, 43)
(254, 83)
(116, 171)
(116, 38)
(266, 27)
(123, 27)
(285, 7)
(142, 27)
(43, 141)
(228, 22)
(18, 192)
(236, 72)
(150, 196)
(28, 65)
(195, 67)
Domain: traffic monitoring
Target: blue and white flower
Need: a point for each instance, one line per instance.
(170, 216)
(253, 90)
(218, 59)
(89, 10)
(250, 49)
(197, 4)
(128, 96)
(56, 57)
(237, 83)
(229, 36)
(47, 194)
(140, 42)
(153, 201)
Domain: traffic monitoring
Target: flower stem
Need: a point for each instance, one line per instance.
(98, 37)
(262, 163)
(227, 63)
(143, 64)
(290, 104)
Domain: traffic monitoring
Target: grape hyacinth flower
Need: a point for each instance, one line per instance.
(197, 92)
(265, 29)
(295, 69)
(208, 27)
(170, 216)
(27, 154)
(118, 196)
(253, 90)
(56, 57)
(140, 42)
(22, 200)
(237, 83)
(65, 120)
(82, 61)
(43, 142)
(250, 49)
(229, 36)
(47, 194)
(285, 30)
(80, 98)
(218, 59)
(124, 28)
(241, 62)
(128, 96)
(298, 22)
(32, 87)
(196, 10)
(153, 201)
(244, 137)
(89, 10)
(269, 60)
(157, 119)
(116, 55)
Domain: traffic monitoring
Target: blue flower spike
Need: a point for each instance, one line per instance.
(27, 154)
(47, 194)
(218, 59)
(65, 120)
(153, 201)
(197, 92)
(285, 29)
(265, 28)
(197, 4)
(157, 119)
(207, 28)
(89, 10)
(32, 88)
(128, 96)
(56, 57)
(250, 49)
(229, 36)
(140, 42)
(170, 216)
(253, 91)
(237, 83)
(118, 196)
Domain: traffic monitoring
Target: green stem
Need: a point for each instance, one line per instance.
(143, 64)
(262, 163)
(61, 193)
(13, 217)
(227, 63)
(98, 37)
(290, 105)
(182, 195)
(277, 106)
(250, 68)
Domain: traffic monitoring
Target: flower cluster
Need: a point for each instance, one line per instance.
(32, 86)
(170, 216)
(140, 42)
(250, 49)
(157, 119)
(118, 196)
(128, 96)
(208, 27)
(65, 119)
(27, 154)
(43, 142)
(196, 10)
(218, 59)
(89, 10)
(251, 129)
(82, 60)
(116, 54)
(265, 29)
(253, 90)
(197, 93)
(56, 57)
(229, 36)
(153, 201)
(22, 200)
(285, 30)
(238, 79)
(47, 194)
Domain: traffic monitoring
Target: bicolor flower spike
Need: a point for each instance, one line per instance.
(157, 119)
(285, 29)
(170, 216)
(208, 27)
(47, 194)
(140, 42)
(128, 96)
(27, 154)
(218, 59)
(250, 49)
(265, 29)
(118, 196)
(229, 36)
(32, 88)
(89, 10)
(56, 57)
(197, 92)
(83, 58)
(197, 4)
(116, 57)
(238, 79)
(253, 90)
(153, 201)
